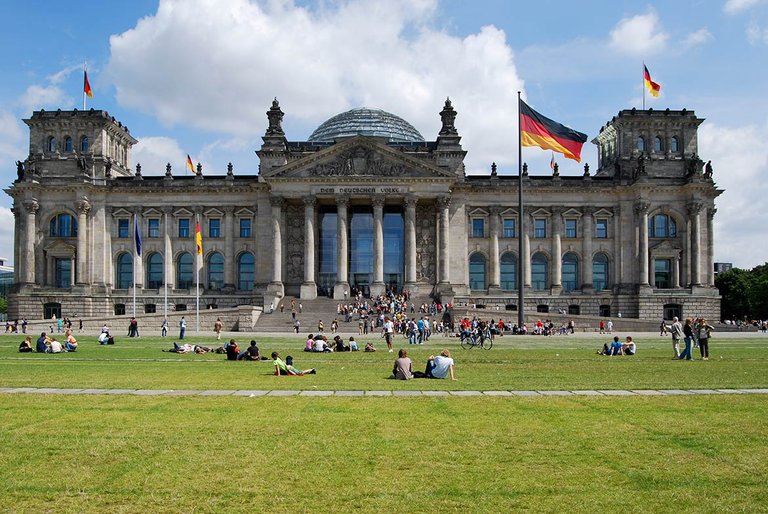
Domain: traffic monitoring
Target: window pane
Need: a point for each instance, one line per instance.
(477, 271)
(84, 146)
(509, 228)
(245, 227)
(675, 145)
(601, 229)
(184, 276)
(63, 273)
(662, 273)
(216, 271)
(68, 144)
(153, 227)
(641, 143)
(478, 227)
(539, 228)
(155, 271)
(122, 228)
(539, 265)
(508, 270)
(214, 228)
(658, 146)
(184, 227)
(600, 272)
(570, 272)
(245, 272)
(125, 271)
(570, 228)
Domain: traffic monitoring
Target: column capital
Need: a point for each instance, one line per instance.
(32, 206)
(495, 210)
(694, 208)
(711, 213)
(377, 201)
(83, 206)
(642, 208)
(444, 201)
(588, 210)
(342, 201)
(228, 210)
(277, 201)
(410, 201)
(310, 201)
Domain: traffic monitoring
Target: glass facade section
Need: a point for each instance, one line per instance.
(154, 271)
(184, 227)
(360, 248)
(184, 276)
(662, 273)
(508, 270)
(477, 271)
(508, 227)
(539, 272)
(394, 249)
(601, 229)
(245, 227)
(570, 272)
(63, 225)
(62, 273)
(662, 225)
(153, 227)
(215, 271)
(245, 271)
(539, 228)
(214, 228)
(478, 227)
(326, 276)
(600, 272)
(122, 229)
(125, 271)
(366, 122)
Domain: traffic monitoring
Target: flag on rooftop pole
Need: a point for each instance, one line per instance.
(87, 91)
(190, 166)
(552, 162)
(653, 87)
(538, 130)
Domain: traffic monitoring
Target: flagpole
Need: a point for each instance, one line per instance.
(521, 218)
(643, 85)
(135, 248)
(165, 276)
(197, 278)
(85, 70)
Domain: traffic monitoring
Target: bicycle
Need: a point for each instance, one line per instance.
(482, 340)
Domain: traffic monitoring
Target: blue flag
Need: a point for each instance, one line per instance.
(137, 237)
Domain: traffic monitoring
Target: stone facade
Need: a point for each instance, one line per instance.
(325, 216)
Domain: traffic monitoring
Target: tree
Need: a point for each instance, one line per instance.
(734, 286)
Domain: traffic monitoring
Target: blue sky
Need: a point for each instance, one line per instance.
(197, 76)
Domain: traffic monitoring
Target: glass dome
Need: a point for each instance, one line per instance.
(366, 122)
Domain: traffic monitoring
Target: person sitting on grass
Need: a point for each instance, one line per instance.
(339, 345)
(352, 344)
(308, 346)
(281, 368)
(54, 346)
(26, 345)
(614, 348)
(369, 347)
(403, 368)
(251, 353)
(233, 352)
(628, 347)
(106, 338)
(321, 344)
(440, 366)
(71, 344)
(42, 343)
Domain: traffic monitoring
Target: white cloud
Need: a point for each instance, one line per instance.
(737, 6)
(38, 97)
(639, 35)
(740, 161)
(217, 66)
(756, 34)
(6, 235)
(697, 38)
(153, 153)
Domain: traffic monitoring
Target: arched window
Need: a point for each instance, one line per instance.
(84, 145)
(51, 145)
(184, 277)
(245, 271)
(154, 271)
(124, 279)
(674, 145)
(539, 271)
(570, 272)
(508, 270)
(215, 271)
(658, 144)
(477, 271)
(640, 143)
(63, 225)
(662, 225)
(68, 144)
(600, 272)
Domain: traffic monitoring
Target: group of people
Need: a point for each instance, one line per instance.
(319, 343)
(49, 344)
(616, 347)
(440, 366)
(13, 328)
(694, 333)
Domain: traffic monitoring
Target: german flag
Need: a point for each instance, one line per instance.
(652, 86)
(198, 239)
(190, 166)
(538, 130)
(87, 85)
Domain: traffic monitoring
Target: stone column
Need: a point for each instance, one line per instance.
(276, 285)
(526, 257)
(410, 243)
(378, 285)
(711, 247)
(168, 264)
(83, 206)
(443, 205)
(641, 208)
(229, 249)
(27, 254)
(587, 229)
(342, 248)
(676, 271)
(495, 275)
(309, 287)
(557, 252)
(694, 213)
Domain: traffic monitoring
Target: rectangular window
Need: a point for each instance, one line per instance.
(184, 227)
(245, 227)
(62, 273)
(662, 273)
(214, 228)
(153, 227)
(509, 227)
(570, 229)
(478, 227)
(601, 229)
(540, 228)
(122, 229)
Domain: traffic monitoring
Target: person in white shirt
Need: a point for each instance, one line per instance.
(440, 366)
(55, 347)
(388, 331)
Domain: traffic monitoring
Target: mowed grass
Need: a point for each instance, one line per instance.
(125, 453)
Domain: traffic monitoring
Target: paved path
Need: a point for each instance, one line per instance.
(315, 392)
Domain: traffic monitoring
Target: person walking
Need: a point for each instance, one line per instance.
(217, 326)
(182, 327)
(705, 332)
(688, 338)
(676, 328)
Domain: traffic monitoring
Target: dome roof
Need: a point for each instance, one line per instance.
(366, 122)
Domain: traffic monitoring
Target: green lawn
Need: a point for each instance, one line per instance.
(126, 453)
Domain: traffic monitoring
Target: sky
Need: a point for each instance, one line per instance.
(197, 77)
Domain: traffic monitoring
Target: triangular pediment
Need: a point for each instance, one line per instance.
(572, 213)
(60, 248)
(666, 247)
(122, 213)
(541, 213)
(183, 213)
(359, 157)
(602, 213)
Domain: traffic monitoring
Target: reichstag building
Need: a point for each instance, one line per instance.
(365, 204)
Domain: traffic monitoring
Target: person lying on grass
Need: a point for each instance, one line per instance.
(281, 368)
(189, 348)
